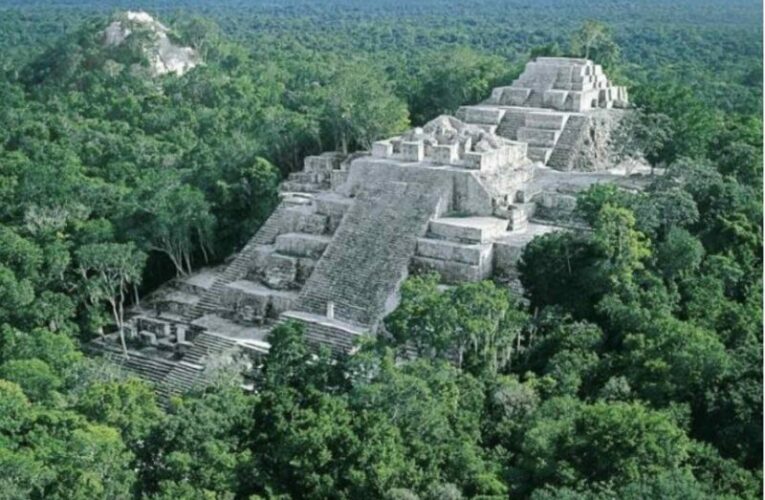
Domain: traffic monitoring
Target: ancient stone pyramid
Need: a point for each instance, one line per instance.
(460, 196)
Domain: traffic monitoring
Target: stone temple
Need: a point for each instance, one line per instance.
(460, 196)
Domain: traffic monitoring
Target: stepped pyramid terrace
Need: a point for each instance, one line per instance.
(558, 106)
(461, 195)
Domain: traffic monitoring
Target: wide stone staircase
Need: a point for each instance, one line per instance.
(206, 345)
(178, 330)
(168, 377)
(265, 277)
(337, 335)
(367, 260)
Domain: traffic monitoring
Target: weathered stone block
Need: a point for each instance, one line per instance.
(556, 99)
(515, 96)
(280, 271)
(451, 272)
(240, 297)
(506, 257)
(445, 153)
(304, 220)
(468, 229)
(483, 115)
(253, 301)
(496, 95)
(382, 149)
(538, 137)
(474, 254)
(412, 151)
(338, 178)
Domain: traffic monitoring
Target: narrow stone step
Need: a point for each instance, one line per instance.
(339, 336)
(551, 121)
(474, 254)
(538, 137)
(480, 115)
(304, 219)
(467, 229)
(266, 302)
(206, 344)
(302, 177)
(510, 124)
(515, 96)
(299, 187)
(450, 271)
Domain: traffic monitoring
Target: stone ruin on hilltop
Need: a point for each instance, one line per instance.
(163, 55)
(461, 196)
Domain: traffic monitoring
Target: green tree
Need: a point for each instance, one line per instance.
(488, 322)
(129, 406)
(595, 39)
(671, 360)
(565, 352)
(641, 135)
(568, 443)
(455, 78)
(108, 271)
(176, 221)
(693, 123)
(201, 442)
(38, 380)
(423, 317)
(560, 268)
(358, 107)
(56, 350)
(623, 247)
(476, 324)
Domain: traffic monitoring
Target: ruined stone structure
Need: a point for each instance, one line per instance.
(163, 55)
(558, 107)
(461, 196)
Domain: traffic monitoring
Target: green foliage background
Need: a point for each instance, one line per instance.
(632, 369)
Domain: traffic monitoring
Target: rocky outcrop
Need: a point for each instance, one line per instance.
(163, 55)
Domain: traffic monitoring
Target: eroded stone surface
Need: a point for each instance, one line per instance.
(164, 56)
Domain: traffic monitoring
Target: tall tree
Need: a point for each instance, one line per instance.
(595, 40)
(175, 220)
(359, 107)
(108, 271)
